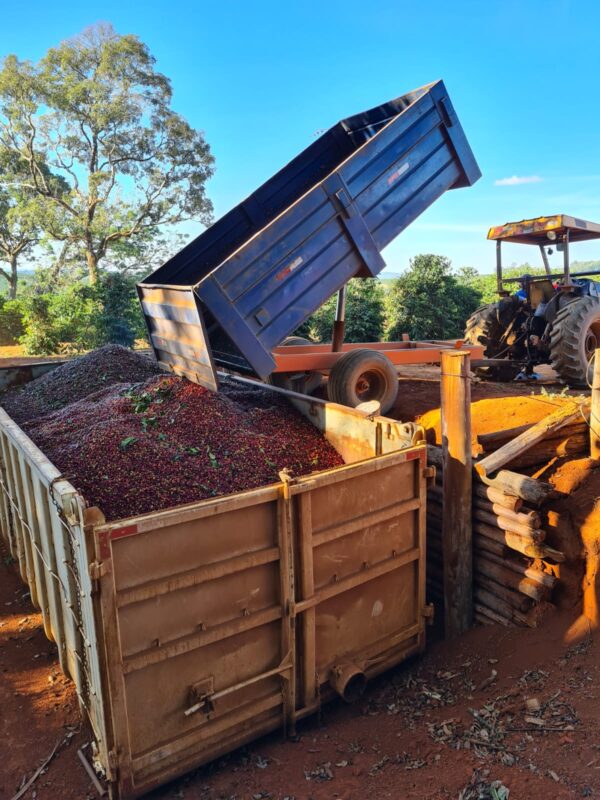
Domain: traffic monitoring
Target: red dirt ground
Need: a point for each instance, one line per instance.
(382, 747)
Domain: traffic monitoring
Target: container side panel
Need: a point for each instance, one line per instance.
(46, 514)
(197, 598)
(6, 520)
(361, 547)
(179, 548)
(359, 625)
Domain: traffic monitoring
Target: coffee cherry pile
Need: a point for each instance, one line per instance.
(136, 448)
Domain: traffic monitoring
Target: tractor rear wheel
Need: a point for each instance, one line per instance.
(484, 328)
(574, 338)
(359, 376)
(305, 382)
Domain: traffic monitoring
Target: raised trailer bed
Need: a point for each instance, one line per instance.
(233, 294)
(191, 631)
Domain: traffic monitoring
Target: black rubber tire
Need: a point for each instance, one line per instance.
(362, 375)
(574, 336)
(483, 328)
(309, 383)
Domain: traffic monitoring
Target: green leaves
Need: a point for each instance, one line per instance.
(428, 302)
(126, 443)
(100, 147)
(212, 457)
(364, 314)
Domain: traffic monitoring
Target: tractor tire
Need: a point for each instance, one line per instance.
(484, 329)
(574, 338)
(362, 375)
(305, 384)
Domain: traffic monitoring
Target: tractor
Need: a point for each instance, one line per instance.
(551, 318)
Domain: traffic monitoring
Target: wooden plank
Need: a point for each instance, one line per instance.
(529, 438)
(457, 488)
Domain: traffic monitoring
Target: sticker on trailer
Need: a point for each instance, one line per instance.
(398, 173)
(290, 268)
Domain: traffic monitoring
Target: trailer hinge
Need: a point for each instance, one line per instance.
(429, 474)
(428, 612)
(113, 760)
(98, 569)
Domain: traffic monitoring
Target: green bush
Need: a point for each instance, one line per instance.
(11, 321)
(81, 317)
(364, 314)
(428, 301)
(61, 321)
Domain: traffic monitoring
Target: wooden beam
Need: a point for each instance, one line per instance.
(528, 439)
(458, 477)
(532, 490)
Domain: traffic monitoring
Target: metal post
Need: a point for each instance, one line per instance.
(566, 259)
(595, 410)
(457, 492)
(499, 266)
(340, 321)
(545, 259)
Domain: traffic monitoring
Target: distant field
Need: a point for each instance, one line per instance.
(11, 351)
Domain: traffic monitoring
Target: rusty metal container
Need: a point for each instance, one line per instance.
(191, 631)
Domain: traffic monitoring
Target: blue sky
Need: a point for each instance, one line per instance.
(261, 78)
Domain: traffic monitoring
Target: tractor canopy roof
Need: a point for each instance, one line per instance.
(544, 230)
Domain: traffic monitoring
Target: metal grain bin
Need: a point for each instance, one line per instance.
(236, 291)
(191, 631)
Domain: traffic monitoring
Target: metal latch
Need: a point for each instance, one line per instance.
(98, 569)
(429, 474)
(199, 696)
(428, 612)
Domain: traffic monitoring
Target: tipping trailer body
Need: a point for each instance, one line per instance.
(235, 292)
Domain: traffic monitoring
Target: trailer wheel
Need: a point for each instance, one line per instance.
(574, 337)
(362, 375)
(305, 382)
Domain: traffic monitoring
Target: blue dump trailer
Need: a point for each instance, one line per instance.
(232, 295)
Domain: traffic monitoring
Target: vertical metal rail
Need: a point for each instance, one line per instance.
(499, 267)
(545, 259)
(566, 261)
(288, 618)
(339, 325)
(307, 589)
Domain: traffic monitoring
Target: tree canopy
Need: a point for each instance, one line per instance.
(428, 301)
(95, 112)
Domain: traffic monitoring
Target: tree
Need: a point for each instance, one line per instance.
(428, 302)
(18, 231)
(97, 112)
(364, 314)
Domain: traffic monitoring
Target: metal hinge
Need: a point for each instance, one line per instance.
(113, 760)
(98, 569)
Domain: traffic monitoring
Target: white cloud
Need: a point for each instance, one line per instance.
(517, 180)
